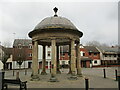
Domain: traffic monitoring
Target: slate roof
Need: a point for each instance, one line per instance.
(23, 42)
(91, 49)
(109, 49)
(64, 49)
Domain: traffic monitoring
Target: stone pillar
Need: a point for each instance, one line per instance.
(44, 62)
(78, 59)
(53, 61)
(70, 72)
(35, 61)
(73, 61)
(58, 63)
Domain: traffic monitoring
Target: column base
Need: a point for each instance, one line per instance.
(79, 75)
(43, 73)
(53, 79)
(35, 78)
(73, 77)
(70, 72)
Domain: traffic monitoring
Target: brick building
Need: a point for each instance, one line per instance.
(22, 53)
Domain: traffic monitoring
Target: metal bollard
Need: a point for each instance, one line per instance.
(104, 73)
(116, 75)
(38, 71)
(86, 84)
(119, 82)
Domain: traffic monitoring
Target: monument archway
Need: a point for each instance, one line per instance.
(56, 31)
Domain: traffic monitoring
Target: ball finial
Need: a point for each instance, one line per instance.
(55, 10)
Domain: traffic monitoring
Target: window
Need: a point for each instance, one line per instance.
(83, 54)
(19, 46)
(115, 55)
(105, 55)
(63, 54)
(109, 55)
(19, 55)
(95, 54)
(90, 53)
(30, 54)
(63, 62)
(48, 53)
(95, 62)
(30, 46)
(48, 46)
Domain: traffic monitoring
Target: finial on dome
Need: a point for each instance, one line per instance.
(55, 10)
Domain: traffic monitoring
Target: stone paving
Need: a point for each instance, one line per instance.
(95, 76)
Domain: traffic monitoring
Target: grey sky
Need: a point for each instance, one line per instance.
(97, 20)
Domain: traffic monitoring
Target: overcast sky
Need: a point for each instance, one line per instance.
(97, 20)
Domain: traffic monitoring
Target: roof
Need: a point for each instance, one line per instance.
(55, 22)
(83, 58)
(23, 42)
(109, 49)
(64, 49)
(91, 49)
(1, 47)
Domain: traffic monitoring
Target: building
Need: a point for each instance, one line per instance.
(109, 55)
(1, 56)
(94, 54)
(64, 56)
(1, 52)
(85, 60)
(22, 53)
(5, 54)
(8, 54)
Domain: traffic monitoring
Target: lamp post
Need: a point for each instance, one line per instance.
(13, 52)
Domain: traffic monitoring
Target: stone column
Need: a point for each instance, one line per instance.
(78, 59)
(70, 72)
(53, 61)
(73, 61)
(58, 63)
(44, 62)
(35, 61)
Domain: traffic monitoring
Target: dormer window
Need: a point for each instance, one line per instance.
(30, 46)
(19, 46)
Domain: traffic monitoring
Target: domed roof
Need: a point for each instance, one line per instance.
(55, 22)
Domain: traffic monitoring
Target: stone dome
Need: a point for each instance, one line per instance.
(55, 22)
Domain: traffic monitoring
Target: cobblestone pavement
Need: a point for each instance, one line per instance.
(95, 76)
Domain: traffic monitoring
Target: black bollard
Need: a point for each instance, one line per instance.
(119, 82)
(86, 84)
(38, 71)
(104, 73)
(116, 75)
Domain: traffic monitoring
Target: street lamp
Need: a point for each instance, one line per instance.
(13, 52)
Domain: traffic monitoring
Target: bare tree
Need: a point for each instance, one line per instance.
(6, 44)
(96, 43)
(21, 56)
(6, 55)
